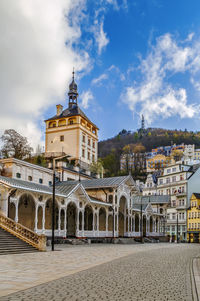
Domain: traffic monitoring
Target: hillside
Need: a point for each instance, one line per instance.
(110, 150)
(152, 138)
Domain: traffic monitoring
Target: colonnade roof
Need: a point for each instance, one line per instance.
(100, 183)
(153, 199)
(28, 186)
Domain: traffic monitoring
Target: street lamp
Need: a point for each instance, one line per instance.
(53, 199)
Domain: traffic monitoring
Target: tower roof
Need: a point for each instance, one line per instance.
(72, 111)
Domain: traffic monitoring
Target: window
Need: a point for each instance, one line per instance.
(93, 158)
(18, 175)
(173, 203)
(168, 170)
(83, 139)
(183, 215)
(83, 153)
(174, 179)
(88, 155)
(173, 228)
(62, 138)
(50, 183)
(168, 180)
(88, 141)
(161, 181)
(189, 214)
(93, 144)
(174, 169)
(40, 181)
(183, 202)
(173, 215)
(181, 177)
(30, 178)
(168, 216)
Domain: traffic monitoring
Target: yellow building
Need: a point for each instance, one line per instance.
(157, 162)
(71, 132)
(193, 219)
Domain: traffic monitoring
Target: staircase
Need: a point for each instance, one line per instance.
(9, 244)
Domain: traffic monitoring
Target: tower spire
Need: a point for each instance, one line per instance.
(73, 92)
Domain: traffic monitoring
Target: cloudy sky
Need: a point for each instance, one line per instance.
(131, 57)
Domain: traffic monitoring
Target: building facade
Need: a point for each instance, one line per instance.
(71, 132)
(193, 219)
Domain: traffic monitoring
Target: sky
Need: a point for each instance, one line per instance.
(131, 57)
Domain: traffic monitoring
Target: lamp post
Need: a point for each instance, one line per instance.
(53, 200)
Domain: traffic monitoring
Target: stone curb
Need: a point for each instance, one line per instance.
(195, 278)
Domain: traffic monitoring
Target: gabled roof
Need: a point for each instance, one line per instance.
(197, 195)
(28, 186)
(69, 112)
(100, 183)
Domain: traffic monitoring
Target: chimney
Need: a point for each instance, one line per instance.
(59, 109)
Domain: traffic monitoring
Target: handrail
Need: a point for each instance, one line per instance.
(23, 233)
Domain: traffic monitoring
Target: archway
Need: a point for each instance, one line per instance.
(122, 214)
(151, 224)
(88, 218)
(110, 223)
(102, 219)
(144, 225)
(11, 210)
(80, 221)
(48, 215)
(26, 211)
(40, 212)
(137, 221)
(62, 219)
(71, 219)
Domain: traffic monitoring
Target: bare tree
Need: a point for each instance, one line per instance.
(15, 145)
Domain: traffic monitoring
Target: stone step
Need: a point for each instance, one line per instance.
(10, 244)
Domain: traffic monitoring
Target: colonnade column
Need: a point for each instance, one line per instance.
(65, 221)
(36, 217)
(43, 219)
(59, 220)
(106, 220)
(16, 211)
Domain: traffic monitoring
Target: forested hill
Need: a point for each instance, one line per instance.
(151, 138)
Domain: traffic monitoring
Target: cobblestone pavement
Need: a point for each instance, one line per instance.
(153, 274)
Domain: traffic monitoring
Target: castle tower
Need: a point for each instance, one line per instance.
(71, 132)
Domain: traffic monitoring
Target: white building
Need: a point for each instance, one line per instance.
(178, 181)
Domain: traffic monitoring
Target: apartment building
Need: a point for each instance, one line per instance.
(178, 181)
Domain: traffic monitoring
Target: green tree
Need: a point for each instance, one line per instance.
(97, 167)
(15, 145)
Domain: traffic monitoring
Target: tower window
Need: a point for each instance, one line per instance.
(62, 138)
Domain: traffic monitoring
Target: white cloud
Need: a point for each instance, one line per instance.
(100, 36)
(98, 80)
(37, 57)
(154, 96)
(86, 97)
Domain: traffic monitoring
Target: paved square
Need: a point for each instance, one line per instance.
(101, 272)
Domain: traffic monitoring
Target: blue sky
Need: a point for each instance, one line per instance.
(131, 57)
